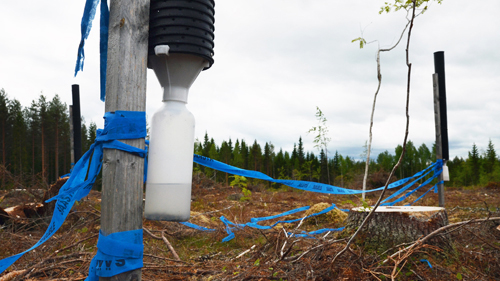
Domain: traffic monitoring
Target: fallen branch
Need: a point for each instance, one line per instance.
(244, 252)
(167, 259)
(170, 246)
(13, 274)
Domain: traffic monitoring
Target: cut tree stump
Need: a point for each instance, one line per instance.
(392, 226)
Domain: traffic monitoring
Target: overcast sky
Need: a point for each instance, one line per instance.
(276, 60)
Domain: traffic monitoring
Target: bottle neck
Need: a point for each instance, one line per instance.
(175, 93)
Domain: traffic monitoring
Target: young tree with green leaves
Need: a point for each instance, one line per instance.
(321, 139)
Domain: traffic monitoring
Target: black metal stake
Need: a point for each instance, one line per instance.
(77, 124)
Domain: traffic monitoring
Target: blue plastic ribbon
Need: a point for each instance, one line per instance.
(86, 25)
(230, 226)
(303, 185)
(192, 225)
(435, 188)
(103, 45)
(117, 253)
(84, 174)
(428, 263)
(437, 171)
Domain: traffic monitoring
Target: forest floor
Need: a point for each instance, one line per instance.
(474, 253)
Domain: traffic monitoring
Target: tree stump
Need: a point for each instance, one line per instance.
(392, 226)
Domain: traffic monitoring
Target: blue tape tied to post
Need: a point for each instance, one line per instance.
(117, 253)
(118, 125)
(86, 25)
(437, 169)
(304, 185)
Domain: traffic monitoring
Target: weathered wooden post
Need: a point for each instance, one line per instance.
(122, 187)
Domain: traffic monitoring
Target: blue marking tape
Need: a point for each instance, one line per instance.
(117, 253)
(428, 263)
(435, 188)
(437, 171)
(86, 25)
(192, 225)
(230, 226)
(304, 185)
(118, 125)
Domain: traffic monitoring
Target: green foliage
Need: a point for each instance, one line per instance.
(362, 42)
(407, 5)
(239, 181)
(246, 192)
(397, 5)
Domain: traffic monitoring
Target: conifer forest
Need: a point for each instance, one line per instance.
(35, 148)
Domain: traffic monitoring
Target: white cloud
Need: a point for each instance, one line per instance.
(275, 61)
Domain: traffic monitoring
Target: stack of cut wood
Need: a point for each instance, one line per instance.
(28, 210)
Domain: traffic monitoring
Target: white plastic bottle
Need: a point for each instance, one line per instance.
(171, 144)
(170, 163)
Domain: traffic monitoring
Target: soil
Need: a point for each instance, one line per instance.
(260, 254)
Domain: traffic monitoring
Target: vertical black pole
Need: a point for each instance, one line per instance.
(439, 69)
(77, 124)
(439, 147)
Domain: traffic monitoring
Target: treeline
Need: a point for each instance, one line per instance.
(35, 140)
(478, 169)
(35, 147)
(300, 165)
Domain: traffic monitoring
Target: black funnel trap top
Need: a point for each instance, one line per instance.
(187, 27)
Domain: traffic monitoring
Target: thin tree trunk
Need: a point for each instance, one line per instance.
(33, 156)
(57, 151)
(43, 155)
(3, 152)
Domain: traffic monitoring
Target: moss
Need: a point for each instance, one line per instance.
(335, 216)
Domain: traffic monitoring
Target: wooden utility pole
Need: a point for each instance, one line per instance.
(122, 186)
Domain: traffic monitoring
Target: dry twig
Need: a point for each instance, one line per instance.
(368, 217)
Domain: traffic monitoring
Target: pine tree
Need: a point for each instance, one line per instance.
(244, 154)
(474, 166)
(385, 161)
(43, 113)
(237, 159)
(57, 112)
(490, 158)
(424, 157)
(206, 145)
(34, 127)
(18, 138)
(225, 156)
(4, 115)
(255, 156)
(268, 158)
(300, 152)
